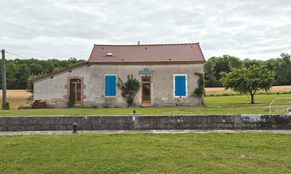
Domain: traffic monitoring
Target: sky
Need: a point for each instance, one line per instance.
(43, 29)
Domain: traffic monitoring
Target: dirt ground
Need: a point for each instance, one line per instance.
(223, 91)
(16, 98)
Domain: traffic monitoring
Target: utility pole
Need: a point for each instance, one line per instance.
(3, 80)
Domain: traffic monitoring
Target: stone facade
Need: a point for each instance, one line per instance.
(54, 89)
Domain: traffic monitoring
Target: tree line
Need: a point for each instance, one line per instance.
(216, 66)
(19, 70)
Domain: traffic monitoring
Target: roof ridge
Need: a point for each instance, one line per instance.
(167, 44)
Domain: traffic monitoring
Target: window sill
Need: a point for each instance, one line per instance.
(180, 96)
(109, 96)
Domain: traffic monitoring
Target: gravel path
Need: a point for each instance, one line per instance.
(138, 131)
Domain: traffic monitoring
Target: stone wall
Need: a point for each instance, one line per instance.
(146, 122)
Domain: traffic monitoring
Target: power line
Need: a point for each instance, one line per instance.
(15, 55)
(18, 56)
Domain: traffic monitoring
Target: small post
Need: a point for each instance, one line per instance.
(75, 128)
(3, 80)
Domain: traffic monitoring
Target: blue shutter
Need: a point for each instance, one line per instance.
(110, 85)
(180, 85)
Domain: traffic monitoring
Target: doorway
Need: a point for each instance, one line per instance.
(75, 91)
(146, 90)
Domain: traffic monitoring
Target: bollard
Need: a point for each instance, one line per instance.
(75, 128)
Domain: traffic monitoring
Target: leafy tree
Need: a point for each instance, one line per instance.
(11, 69)
(23, 72)
(36, 68)
(286, 57)
(215, 65)
(248, 79)
(209, 71)
(282, 67)
(233, 62)
(129, 88)
(249, 63)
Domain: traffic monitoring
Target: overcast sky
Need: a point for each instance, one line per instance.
(61, 29)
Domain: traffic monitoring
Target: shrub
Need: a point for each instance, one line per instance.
(200, 90)
(71, 101)
(129, 88)
(7, 105)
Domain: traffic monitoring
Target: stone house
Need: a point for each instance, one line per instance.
(167, 74)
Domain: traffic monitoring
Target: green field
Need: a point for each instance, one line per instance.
(147, 153)
(238, 104)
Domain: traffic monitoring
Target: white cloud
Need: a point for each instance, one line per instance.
(69, 28)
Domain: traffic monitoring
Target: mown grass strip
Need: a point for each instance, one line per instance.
(147, 153)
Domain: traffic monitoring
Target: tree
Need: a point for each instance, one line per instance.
(35, 68)
(210, 79)
(248, 79)
(282, 67)
(11, 70)
(129, 88)
(22, 74)
(248, 62)
(215, 65)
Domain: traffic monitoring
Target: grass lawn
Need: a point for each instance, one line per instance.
(214, 105)
(147, 153)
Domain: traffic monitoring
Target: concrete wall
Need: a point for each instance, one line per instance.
(146, 122)
(53, 90)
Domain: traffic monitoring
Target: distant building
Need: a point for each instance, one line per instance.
(166, 73)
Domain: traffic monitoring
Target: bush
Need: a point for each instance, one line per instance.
(129, 89)
(200, 91)
(7, 105)
(71, 101)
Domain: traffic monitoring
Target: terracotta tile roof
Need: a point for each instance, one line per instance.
(188, 52)
(138, 54)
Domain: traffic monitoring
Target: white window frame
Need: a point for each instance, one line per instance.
(104, 79)
(186, 85)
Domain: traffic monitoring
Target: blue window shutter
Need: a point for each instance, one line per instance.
(180, 85)
(110, 85)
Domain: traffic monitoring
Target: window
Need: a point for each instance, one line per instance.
(180, 85)
(110, 85)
